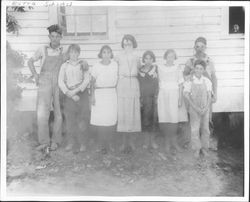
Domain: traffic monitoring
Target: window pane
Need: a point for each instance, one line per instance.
(99, 23)
(236, 20)
(70, 24)
(83, 24)
(82, 10)
(99, 10)
(69, 10)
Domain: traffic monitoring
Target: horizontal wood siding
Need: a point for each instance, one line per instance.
(157, 29)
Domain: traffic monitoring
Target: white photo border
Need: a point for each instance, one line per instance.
(124, 3)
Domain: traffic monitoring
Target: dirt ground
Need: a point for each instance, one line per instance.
(141, 173)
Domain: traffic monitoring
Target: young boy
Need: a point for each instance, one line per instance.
(73, 80)
(52, 58)
(197, 91)
(200, 46)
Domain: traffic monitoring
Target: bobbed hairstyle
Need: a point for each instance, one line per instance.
(107, 47)
(168, 52)
(200, 62)
(130, 38)
(146, 53)
(74, 47)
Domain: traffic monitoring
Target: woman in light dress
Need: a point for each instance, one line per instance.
(104, 98)
(171, 109)
(128, 91)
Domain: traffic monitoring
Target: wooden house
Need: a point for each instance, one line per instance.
(155, 28)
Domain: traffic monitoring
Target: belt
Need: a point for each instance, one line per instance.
(123, 76)
(104, 87)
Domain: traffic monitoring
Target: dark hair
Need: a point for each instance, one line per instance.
(55, 28)
(150, 53)
(200, 62)
(75, 47)
(169, 51)
(103, 48)
(201, 39)
(130, 38)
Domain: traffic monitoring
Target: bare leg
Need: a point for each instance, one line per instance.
(165, 130)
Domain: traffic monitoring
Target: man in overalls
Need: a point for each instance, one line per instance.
(52, 58)
(200, 46)
(197, 91)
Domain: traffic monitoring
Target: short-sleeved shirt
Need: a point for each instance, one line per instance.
(72, 76)
(105, 75)
(210, 69)
(188, 84)
(41, 52)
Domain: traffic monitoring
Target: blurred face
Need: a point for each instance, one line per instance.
(148, 60)
(55, 39)
(170, 57)
(198, 70)
(73, 55)
(127, 44)
(106, 54)
(200, 47)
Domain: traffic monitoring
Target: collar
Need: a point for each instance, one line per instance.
(151, 72)
(206, 58)
(78, 62)
(198, 79)
(59, 48)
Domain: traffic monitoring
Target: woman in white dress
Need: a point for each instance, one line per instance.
(104, 97)
(171, 109)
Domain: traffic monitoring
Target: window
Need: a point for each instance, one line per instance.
(232, 22)
(84, 22)
(236, 20)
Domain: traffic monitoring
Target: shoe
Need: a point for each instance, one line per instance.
(53, 146)
(69, 147)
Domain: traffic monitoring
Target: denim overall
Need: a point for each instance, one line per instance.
(48, 93)
(199, 123)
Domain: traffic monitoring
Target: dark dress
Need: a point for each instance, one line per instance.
(148, 93)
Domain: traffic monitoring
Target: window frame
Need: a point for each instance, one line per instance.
(225, 26)
(53, 19)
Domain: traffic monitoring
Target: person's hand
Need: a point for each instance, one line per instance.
(75, 98)
(87, 77)
(204, 110)
(214, 98)
(198, 110)
(36, 77)
(84, 65)
(179, 103)
(70, 93)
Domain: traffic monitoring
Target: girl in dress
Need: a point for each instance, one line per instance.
(149, 89)
(171, 109)
(104, 98)
(128, 91)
